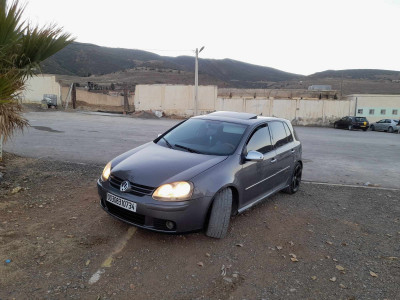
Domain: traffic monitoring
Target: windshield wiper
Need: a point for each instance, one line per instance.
(168, 144)
(188, 149)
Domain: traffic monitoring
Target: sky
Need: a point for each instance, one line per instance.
(295, 36)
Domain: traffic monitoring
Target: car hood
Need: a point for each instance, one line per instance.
(153, 165)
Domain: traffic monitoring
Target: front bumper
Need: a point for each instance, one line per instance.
(152, 214)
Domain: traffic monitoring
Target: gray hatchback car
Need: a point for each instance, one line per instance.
(201, 172)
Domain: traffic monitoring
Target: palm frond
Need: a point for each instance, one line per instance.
(22, 49)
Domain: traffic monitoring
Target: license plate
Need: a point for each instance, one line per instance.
(128, 205)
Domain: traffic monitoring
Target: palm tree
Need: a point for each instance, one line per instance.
(22, 48)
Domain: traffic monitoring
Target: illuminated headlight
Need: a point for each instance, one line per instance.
(176, 191)
(106, 172)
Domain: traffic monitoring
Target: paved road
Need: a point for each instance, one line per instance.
(330, 155)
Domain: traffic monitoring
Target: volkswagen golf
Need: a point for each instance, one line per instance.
(201, 172)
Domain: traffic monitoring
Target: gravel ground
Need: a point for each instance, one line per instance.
(325, 242)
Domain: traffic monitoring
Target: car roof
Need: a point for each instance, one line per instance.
(237, 117)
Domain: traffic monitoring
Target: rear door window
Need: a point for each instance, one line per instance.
(278, 134)
(289, 134)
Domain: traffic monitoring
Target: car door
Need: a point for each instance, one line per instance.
(285, 151)
(378, 125)
(257, 178)
(382, 124)
(387, 124)
(350, 121)
(341, 122)
(346, 122)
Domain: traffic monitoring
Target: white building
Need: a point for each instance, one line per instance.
(39, 85)
(376, 107)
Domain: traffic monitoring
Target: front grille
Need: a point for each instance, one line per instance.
(136, 189)
(125, 214)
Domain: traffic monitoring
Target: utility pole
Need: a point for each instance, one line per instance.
(73, 96)
(341, 87)
(196, 81)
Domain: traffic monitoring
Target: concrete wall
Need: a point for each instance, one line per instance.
(376, 107)
(39, 85)
(275, 93)
(175, 99)
(98, 99)
(178, 100)
(299, 111)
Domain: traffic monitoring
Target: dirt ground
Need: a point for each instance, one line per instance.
(325, 242)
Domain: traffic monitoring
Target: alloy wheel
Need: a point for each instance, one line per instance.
(296, 179)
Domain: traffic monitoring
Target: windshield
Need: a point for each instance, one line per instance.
(204, 137)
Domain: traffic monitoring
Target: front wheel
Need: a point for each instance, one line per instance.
(372, 128)
(220, 214)
(364, 129)
(350, 127)
(390, 129)
(335, 125)
(295, 180)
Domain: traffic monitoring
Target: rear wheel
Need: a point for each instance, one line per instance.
(390, 129)
(220, 214)
(295, 180)
(372, 128)
(350, 127)
(364, 129)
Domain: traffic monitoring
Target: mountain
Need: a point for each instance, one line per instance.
(79, 59)
(106, 65)
(357, 74)
(82, 59)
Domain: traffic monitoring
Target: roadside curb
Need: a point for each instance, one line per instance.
(350, 185)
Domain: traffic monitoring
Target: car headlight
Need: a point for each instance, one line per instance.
(106, 172)
(175, 191)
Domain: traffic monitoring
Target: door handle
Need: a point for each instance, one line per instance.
(273, 160)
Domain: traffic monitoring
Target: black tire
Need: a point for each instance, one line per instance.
(372, 128)
(390, 129)
(295, 180)
(220, 214)
(335, 125)
(364, 129)
(350, 127)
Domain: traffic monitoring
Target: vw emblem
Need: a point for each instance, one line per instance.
(125, 185)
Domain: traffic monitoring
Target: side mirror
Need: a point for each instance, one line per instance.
(254, 156)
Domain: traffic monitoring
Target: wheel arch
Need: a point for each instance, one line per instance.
(235, 200)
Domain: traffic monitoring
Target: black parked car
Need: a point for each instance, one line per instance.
(351, 122)
(202, 171)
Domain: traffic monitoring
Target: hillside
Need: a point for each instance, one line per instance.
(80, 59)
(371, 74)
(107, 65)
